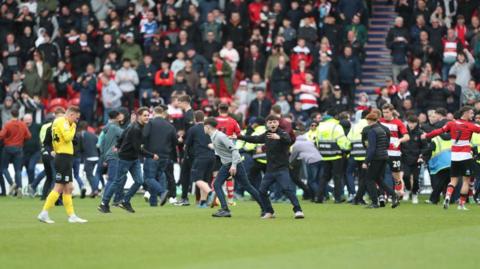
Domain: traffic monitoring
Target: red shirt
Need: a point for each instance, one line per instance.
(461, 132)
(397, 130)
(227, 125)
(15, 133)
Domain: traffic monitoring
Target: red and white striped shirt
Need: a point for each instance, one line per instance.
(307, 94)
(397, 130)
(461, 132)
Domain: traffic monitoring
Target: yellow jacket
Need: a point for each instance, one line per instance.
(62, 136)
(331, 140)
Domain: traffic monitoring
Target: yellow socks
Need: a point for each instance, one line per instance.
(51, 199)
(68, 204)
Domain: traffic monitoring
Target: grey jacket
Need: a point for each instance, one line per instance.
(112, 133)
(111, 95)
(305, 150)
(127, 79)
(225, 149)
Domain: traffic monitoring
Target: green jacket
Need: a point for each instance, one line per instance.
(360, 30)
(132, 52)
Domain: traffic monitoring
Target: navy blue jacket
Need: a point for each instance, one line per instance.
(197, 143)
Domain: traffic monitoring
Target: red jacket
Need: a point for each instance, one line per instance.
(254, 10)
(15, 133)
(461, 132)
(227, 125)
(161, 80)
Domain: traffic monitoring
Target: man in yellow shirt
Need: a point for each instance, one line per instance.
(63, 133)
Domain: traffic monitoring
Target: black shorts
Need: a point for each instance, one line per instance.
(217, 164)
(462, 168)
(395, 163)
(202, 169)
(63, 168)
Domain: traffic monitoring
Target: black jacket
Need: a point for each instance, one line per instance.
(197, 143)
(129, 145)
(277, 150)
(160, 137)
(378, 146)
(280, 80)
(413, 148)
(259, 108)
(88, 145)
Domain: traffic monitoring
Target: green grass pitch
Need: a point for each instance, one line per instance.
(331, 236)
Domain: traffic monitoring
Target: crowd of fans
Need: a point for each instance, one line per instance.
(104, 54)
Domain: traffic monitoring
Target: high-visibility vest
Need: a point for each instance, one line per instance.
(441, 156)
(357, 151)
(312, 136)
(251, 147)
(475, 141)
(331, 140)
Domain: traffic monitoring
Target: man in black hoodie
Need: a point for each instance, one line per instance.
(412, 158)
(130, 149)
(160, 138)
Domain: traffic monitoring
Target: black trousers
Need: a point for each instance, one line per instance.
(255, 173)
(375, 173)
(46, 160)
(129, 98)
(295, 176)
(332, 169)
(362, 181)
(171, 186)
(411, 170)
(185, 177)
(439, 184)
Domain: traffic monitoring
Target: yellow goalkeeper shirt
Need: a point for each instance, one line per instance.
(62, 136)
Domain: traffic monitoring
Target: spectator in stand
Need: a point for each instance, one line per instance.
(146, 74)
(338, 101)
(255, 62)
(349, 73)
(230, 54)
(300, 52)
(235, 31)
(470, 95)
(32, 83)
(260, 106)
(11, 54)
(164, 80)
(462, 68)
(273, 60)
(131, 50)
(199, 63)
(210, 46)
(222, 76)
(111, 96)
(411, 74)
(280, 78)
(436, 32)
(44, 71)
(326, 71)
(348, 9)
(424, 50)
(82, 54)
(451, 47)
(359, 29)
(62, 79)
(127, 80)
(179, 63)
(401, 95)
(416, 29)
(397, 41)
(14, 134)
(307, 94)
(437, 96)
(455, 94)
(86, 85)
(256, 83)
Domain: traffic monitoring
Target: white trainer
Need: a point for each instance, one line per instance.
(76, 219)
(146, 196)
(406, 195)
(299, 215)
(43, 217)
(463, 207)
(268, 216)
(415, 199)
(172, 200)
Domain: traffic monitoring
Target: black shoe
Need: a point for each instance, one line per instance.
(104, 208)
(395, 201)
(222, 213)
(163, 198)
(127, 206)
(340, 201)
(382, 203)
(83, 193)
(372, 206)
(183, 202)
(358, 202)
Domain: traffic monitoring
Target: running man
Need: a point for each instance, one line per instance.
(461, 131)
(63, 133)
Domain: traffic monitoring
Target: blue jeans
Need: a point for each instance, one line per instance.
(155, 177)
(281, 177)
(352, 168)
(30, 162)
(76, 172)
(114, 184)
(89, 166)
(314, 172)
(12, 154)
(241, 178)
(445, 70)
(125, 166)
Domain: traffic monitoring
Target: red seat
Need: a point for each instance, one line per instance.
(74, 102)
(57, 102)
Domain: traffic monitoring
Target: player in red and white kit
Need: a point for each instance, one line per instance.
(228, 126)
(398, 135)
(461, 131)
